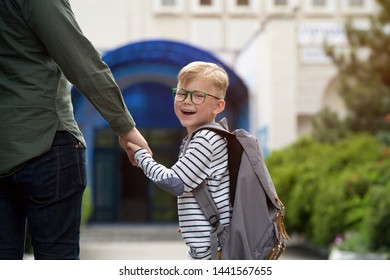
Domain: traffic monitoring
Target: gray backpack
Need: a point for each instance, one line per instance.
(256, 229)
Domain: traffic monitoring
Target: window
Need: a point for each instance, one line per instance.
(162, 7)
(358, 7)
(281, 6)
(168, 2)
(242, 2)
(317, 3)
(243, 7)
(356, 3)
(206, 7)
(280, 2)
(206, 2)
(320, 7)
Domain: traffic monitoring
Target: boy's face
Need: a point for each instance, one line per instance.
(193, 116)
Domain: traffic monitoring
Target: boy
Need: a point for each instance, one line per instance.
(198, 99)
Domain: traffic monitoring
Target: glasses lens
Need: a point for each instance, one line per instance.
(198, 97)
(180, 94)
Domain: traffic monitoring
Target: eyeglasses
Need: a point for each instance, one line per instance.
(197, 96)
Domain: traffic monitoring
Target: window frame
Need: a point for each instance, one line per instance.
(367, 8)
(252, 9)
(160, 8)
(330, 8)
(216, 7)
(273, 8)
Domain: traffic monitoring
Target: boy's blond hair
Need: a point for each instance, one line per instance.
(211, 71)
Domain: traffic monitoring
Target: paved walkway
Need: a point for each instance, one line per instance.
(155, 242)
(164, 250)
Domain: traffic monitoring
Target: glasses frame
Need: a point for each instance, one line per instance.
(174, 90)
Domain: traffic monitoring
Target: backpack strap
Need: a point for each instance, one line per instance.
(209, 209)
(235, 151)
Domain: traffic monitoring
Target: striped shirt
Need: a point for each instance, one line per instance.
(205, 159)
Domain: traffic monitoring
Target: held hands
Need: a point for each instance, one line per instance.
(131, 142)
(132, 147)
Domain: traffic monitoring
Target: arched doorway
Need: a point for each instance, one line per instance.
(145, 72)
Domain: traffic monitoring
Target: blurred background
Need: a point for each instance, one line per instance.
(309, 78)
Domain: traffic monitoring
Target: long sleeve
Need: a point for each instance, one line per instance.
(54, 24)
(165, 178)
(201, 161)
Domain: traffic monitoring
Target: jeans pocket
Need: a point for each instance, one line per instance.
(57, 174)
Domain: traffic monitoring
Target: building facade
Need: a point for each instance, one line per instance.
(274, 45)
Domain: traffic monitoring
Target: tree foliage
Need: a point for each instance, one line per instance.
(364, 73)
(327, 127)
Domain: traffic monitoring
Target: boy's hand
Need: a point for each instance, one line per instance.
(133, 136)
(132, 147)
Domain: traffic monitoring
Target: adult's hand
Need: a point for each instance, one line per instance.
(133, 136)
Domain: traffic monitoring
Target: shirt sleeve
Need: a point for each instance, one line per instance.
(163, 177)
(186, 174)
(55, 25)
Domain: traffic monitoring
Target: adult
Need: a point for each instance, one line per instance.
(42, 150)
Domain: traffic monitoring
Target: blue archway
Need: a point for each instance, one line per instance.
(146, 71)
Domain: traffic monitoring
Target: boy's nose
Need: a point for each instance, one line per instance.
(188, 98)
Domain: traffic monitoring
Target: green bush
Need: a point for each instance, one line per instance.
(327, 127)
(87, 207)
(335, 188)
(376, 221)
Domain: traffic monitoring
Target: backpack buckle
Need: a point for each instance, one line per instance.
(214, 221)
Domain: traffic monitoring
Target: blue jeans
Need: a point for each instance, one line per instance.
(47, 192)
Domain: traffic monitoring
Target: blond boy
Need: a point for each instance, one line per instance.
(198, 99)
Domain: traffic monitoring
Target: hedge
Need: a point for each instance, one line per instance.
(332, 190)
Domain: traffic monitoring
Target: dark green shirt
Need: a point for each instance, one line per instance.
(41, 49)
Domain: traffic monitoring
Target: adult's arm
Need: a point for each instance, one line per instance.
(55, 25)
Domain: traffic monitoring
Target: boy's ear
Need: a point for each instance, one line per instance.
(220, 107)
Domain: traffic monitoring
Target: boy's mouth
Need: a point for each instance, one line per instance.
(188, 112)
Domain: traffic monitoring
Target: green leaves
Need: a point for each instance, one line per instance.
(333, 188)
(364, 73)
